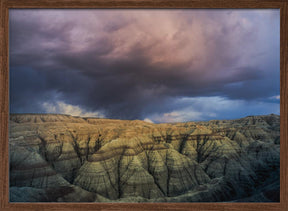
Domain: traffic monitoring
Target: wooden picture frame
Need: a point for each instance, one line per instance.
(4, 102)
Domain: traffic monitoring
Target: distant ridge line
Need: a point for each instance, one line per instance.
(98, 118)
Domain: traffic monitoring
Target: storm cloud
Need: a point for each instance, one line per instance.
(137, 64)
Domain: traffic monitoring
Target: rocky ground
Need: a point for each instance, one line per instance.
(61, 158)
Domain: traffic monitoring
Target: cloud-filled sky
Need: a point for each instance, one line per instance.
(158, 65)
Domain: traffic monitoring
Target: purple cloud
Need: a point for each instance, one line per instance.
(130, 63)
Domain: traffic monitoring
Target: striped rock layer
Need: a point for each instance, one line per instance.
(64, 158)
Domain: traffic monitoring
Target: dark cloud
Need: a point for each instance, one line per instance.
(132, 64)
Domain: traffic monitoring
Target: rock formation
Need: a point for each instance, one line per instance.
(62, 158)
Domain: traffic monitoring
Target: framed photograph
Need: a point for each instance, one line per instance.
(159, 105)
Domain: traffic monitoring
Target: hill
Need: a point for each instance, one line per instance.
(62, 158)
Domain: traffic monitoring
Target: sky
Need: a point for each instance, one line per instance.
(163, 65)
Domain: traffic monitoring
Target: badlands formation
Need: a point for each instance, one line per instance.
(61, 158)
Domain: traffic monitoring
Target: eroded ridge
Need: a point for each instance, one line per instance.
(64, 158)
